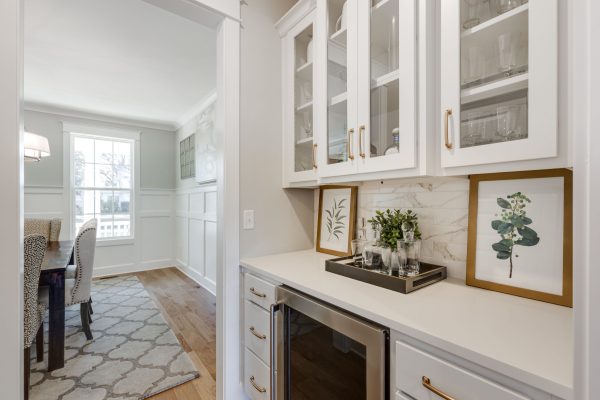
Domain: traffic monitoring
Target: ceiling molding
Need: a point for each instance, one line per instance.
(170, 127)
(197, 109)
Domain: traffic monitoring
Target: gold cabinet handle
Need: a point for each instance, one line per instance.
(259, 389)
(258, 294)
(427, 383)
(349, 143)
(447, 115)
(258, 335)
(314, 156)
(361, 132)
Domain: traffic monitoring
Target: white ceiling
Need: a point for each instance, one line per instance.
(119, 58)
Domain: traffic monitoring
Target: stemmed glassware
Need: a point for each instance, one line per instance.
(478, 11)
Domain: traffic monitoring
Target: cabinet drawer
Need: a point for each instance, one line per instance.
(259, 291)
(413, 364)
(257, 332)
(256, 377)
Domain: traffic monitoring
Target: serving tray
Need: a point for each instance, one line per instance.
(428, 275)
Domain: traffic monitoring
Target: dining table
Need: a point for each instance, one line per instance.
(59, 255)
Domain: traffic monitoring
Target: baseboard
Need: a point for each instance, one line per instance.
(110, 270)
(196, 277)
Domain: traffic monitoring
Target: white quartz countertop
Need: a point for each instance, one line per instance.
(527, 340)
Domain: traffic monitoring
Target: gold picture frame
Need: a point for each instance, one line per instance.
(332, 237)
(526, 235)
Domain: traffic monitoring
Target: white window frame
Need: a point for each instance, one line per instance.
(72, 130)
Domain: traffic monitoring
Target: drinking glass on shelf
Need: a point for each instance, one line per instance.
(307, 125)
(507, 120)
(478, 11)
(473, 66)
(507, 52)
(305, 92)
(506, 5)
(473, 129)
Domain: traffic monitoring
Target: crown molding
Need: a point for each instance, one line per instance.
(75, 113)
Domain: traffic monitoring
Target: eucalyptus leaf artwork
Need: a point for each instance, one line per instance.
(336, 219)
(513, 228)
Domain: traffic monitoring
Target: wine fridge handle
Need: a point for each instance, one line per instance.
(273, 350)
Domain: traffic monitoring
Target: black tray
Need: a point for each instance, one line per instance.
(428, 275)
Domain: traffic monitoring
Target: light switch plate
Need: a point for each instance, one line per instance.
(248, 219)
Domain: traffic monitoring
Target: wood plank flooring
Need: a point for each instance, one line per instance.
(190, 311)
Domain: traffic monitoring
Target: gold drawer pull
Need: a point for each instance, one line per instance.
(260, 389)
(349, 143)
(258, 335)
(259, 294)
(447, 115)
(427, 383)
(361, 132)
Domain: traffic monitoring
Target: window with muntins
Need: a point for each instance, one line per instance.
(102, 184)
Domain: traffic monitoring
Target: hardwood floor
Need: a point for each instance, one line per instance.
(190, 311)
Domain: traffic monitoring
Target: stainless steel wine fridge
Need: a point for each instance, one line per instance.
(320, 352)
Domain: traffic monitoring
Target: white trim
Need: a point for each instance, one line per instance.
(196, 277)
(193, 112)
(295, 14)
(11, 211)
(44, 190)
(98, 131)
(229, 373)
(584, 122)
(115, 242)
(113, 119)
(72, 130)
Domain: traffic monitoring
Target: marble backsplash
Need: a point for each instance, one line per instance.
(442, 205)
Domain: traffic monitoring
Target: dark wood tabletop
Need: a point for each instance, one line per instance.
(58, 255)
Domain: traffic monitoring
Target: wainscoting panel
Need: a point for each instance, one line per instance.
(196, 247)
(152, 247)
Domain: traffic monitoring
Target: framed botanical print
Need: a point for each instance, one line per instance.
(520, 234)
(336, 219)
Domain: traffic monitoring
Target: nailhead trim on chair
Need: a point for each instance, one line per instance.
(78, 279)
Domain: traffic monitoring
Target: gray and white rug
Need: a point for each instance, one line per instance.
(134, 353)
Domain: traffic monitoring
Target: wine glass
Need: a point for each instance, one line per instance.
(507, 116)
(507, 52)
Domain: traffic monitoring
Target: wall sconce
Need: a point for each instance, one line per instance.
(36, 147)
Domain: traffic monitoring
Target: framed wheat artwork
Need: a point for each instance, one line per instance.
(336, 220)
(521, 234)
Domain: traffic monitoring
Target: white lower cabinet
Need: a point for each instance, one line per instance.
(256, 377)
(421, 372)
(257, 330)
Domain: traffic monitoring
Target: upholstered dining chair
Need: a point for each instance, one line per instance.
(78, 287)
(34, 248)
(48, 227)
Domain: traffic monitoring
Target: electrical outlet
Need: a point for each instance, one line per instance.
(248, 219)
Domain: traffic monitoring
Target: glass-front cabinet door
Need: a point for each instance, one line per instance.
(300, 139)
(338, 89)
(387, 79)
(498, 81)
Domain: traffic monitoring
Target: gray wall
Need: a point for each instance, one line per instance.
(157, 152)
(283, 218)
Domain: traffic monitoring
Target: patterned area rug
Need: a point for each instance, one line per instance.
(133, 355)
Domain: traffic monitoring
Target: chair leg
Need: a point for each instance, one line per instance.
(90, 313)
(91, 310)
(85, 320)
(26, 372)
(39, 343)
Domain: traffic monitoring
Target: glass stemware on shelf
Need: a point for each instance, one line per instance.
(477, 11)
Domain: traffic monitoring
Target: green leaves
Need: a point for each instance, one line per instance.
(335, 219)
(503, 203)
(390, 222)
(513, 227)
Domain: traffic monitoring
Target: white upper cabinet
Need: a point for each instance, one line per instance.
(387, 85)
(337, 86)
(498, 82)
(368, 86)
(298, 73)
